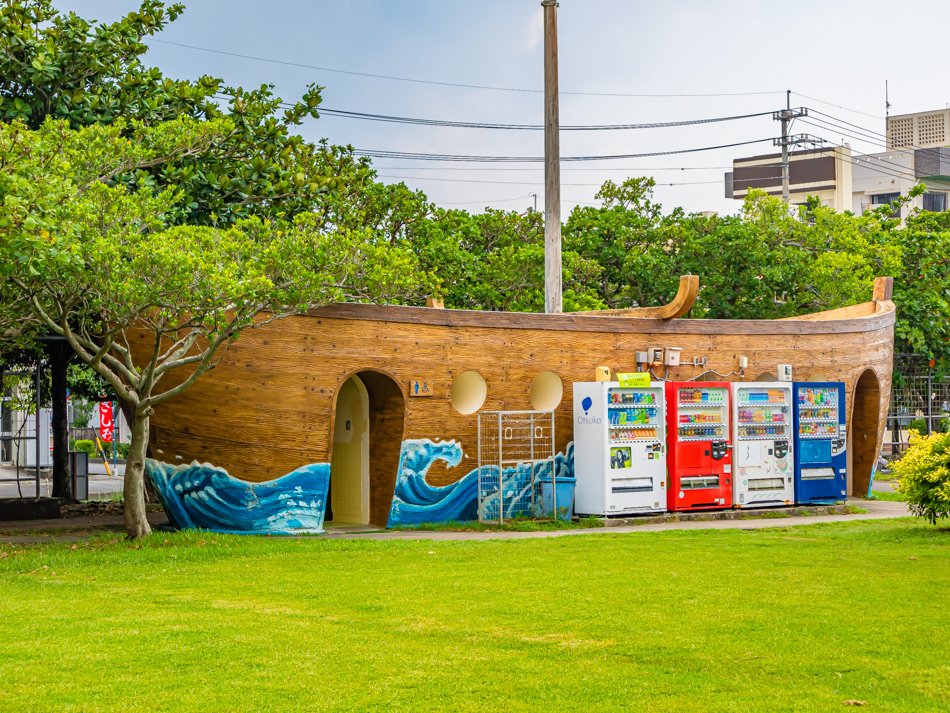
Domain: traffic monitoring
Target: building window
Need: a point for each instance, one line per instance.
(887, 199)
(935, 202)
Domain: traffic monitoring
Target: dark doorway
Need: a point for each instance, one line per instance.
(865, 421)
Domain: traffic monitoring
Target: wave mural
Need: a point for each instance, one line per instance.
(415, 501)
(203, 496)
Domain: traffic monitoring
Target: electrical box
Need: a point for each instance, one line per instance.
(642, 358)
(602, 373)
(743, 362)
(784, 372)
(656, 355)
(673, 356)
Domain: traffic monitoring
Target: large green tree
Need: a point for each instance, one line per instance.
(150, 307)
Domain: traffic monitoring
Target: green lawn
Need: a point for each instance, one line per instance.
(798, 618)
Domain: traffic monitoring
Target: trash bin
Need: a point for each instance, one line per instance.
(79, 472)
(565, 497)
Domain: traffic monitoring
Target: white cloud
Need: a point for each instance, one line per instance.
(534, 31)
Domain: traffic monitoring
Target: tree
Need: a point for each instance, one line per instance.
(61, 66)
(151, 307)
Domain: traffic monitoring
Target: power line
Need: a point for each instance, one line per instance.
(907, 172)
(630, 169)
(837, 106)
(875, 137)
(440, 179)
(531, 127)
(416, 156)
(413, 80)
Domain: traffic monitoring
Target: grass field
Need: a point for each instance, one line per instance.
(802, 618)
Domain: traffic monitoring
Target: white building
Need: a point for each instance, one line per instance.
(918, 151)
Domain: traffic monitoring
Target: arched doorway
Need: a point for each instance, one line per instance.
(865, 421)
(349, 464)
(365, 457)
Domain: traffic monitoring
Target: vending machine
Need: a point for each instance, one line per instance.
(699, 441)
(763, 457)
(619, 448)
(821, 437)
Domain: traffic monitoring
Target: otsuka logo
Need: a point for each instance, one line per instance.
(587, 419)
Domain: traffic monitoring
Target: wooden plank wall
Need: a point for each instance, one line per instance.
(268, 407)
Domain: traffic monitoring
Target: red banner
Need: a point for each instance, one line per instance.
(105, 421)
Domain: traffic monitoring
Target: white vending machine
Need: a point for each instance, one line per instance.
(619, 448)
(764, 454)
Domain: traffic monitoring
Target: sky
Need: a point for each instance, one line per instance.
(827, 52)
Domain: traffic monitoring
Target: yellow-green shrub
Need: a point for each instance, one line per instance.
(924, 475)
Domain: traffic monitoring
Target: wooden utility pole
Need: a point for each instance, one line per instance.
(552, 165)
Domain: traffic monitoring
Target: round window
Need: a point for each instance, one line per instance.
(546, 391)
(468, 392)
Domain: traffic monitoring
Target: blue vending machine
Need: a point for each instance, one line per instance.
(821, 468)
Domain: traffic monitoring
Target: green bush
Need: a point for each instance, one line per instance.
(919, 425)
(923, 475)
(84, 445)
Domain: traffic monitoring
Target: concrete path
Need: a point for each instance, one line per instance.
(876, 510)
(81, 528)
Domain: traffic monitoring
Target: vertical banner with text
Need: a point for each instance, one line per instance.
(105, 421)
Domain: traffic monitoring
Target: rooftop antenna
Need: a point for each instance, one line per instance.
(887, 114)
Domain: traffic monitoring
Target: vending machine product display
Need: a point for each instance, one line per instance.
(619, 448)
(821, 438)
(699, 443)
(763, 457)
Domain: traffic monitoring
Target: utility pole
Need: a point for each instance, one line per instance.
(786, 116)
(552, 165)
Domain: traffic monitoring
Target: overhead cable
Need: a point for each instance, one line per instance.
(414, 156)
(531, 127)
(456, 84)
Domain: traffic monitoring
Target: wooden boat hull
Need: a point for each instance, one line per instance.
(270, 406)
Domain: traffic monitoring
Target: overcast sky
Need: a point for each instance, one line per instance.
(838, 52)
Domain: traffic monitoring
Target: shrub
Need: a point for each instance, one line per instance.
(84, 445)
(924, 475)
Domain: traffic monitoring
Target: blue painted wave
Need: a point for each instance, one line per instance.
(203, 496)
(415, 501)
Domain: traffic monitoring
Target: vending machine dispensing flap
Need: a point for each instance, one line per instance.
(781, 449)
(718, 450)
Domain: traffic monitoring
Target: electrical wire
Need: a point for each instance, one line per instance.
(878, 137)
(413, 80)
(532, 127)
(541, 183)
(837, 106)
(413, 156)
(630, 169)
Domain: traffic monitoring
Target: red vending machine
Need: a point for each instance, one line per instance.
(699, 452)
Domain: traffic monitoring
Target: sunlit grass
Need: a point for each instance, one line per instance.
(795, 618)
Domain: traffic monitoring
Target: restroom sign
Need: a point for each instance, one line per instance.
(420, 388)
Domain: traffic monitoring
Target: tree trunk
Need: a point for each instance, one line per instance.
(136, 522)
(59, 353)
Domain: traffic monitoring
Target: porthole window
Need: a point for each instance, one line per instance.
(547, 390)
(468, 392)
